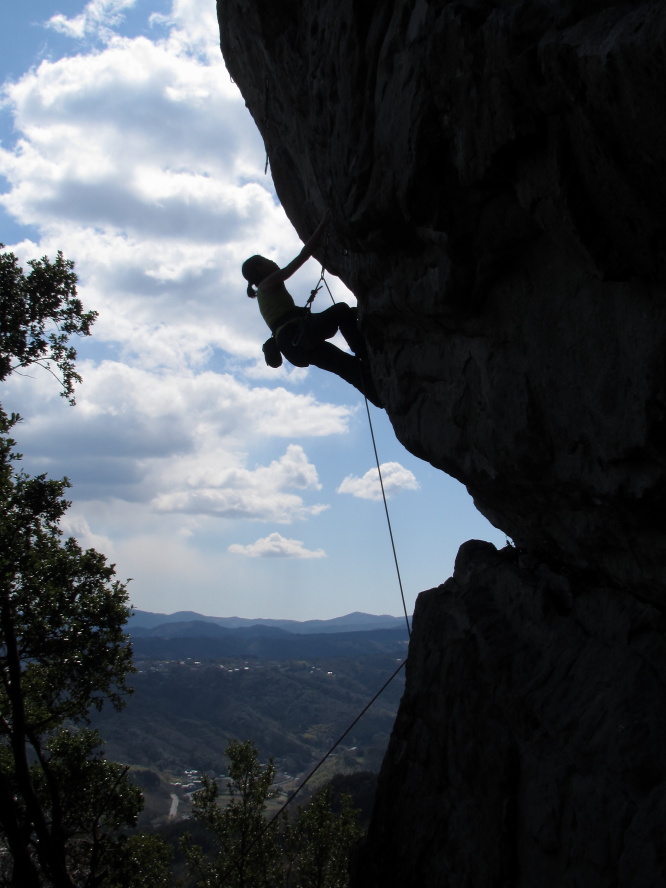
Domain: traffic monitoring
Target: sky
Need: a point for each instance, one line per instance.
(214, 482)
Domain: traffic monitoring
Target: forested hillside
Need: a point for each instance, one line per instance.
(183, 713)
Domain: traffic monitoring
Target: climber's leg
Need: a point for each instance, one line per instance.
(347, 367)
(292, 343)
(342, 317)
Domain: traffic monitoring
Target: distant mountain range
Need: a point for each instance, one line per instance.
(187, 624)
(188, 635)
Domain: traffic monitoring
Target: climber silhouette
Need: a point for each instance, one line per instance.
(300, 335)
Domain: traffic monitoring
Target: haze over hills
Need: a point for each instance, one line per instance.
(354, 622)
(189, 635)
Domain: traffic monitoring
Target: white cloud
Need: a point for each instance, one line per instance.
(142, 165)
(259, 494)
(75, 525)
(394, 476)
(137, 158)
(112, 135)
(98, 18)
(276, 546)
(177, 440)
(193, 30)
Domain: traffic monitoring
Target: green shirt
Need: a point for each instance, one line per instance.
(274, 303)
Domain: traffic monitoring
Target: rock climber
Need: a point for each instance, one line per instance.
(300, 335)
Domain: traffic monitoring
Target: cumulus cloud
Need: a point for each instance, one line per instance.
(394, 476)
(259, 494)
(136, 143)
(139, 160)
(276, 546)
(75, 525)
(135, 156)
(178, 441)
(98, 18)
(193, 30)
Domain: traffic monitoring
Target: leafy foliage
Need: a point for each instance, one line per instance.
(320, 842)
(63, 649)
(246, 853)
(60, 606)
(38, 315)
(138, 862)
(360, 787)
(292, 710)
(312, 851)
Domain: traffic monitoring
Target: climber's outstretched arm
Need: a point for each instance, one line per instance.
(280, 276)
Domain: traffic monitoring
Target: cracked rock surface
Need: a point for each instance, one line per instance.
(528, 749)
(496, 173)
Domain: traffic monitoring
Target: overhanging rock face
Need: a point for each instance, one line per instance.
(497, 178)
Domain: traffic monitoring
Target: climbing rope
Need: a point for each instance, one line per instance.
(308, 304)
(313, 293)
(388, 520)
(338, 741)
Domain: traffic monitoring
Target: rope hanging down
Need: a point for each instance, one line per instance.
(308, 305)
(388, 520)
(338, 741)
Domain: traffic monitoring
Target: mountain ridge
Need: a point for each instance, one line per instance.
(353, 622)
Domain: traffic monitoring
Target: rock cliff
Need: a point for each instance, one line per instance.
(497, 175)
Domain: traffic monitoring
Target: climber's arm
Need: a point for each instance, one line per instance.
(279, 277)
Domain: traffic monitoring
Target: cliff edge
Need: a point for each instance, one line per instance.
(497, 177)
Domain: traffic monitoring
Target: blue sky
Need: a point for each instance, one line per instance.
(218, 484)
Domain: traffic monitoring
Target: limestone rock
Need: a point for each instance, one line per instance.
(528, 749)
(497, 178)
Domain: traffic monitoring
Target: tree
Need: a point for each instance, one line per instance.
(38, 315)
(312, 851)
(246, 847)
(320, 841)
(139, 861)
(63, 650)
